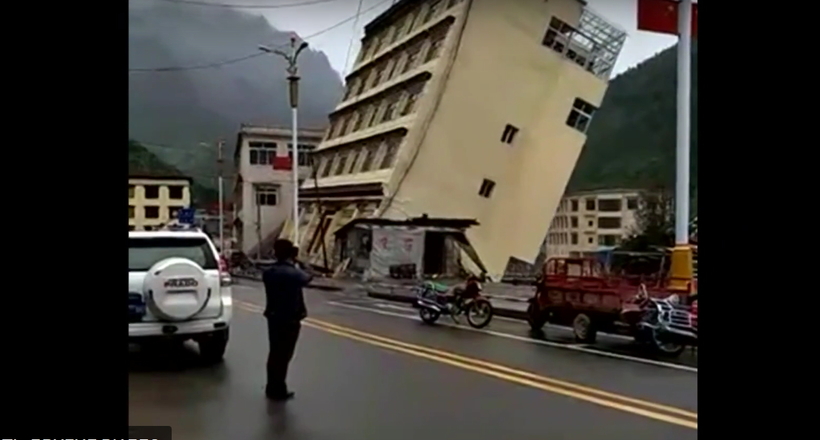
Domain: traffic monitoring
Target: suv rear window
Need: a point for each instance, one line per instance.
(145, 252)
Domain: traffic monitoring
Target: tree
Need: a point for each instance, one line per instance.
(654, 222)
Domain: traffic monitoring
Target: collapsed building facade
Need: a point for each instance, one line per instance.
(461, 109)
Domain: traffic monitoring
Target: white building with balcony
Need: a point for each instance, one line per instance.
(262, 192)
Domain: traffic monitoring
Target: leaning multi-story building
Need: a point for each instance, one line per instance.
(462, 108)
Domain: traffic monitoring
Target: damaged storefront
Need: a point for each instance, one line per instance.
(406, 249)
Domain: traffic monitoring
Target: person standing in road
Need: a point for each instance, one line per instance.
(284, 310)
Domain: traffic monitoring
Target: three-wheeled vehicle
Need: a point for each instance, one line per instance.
(632, 297)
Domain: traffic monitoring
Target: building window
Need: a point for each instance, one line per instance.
(590, 204)
(152, 212)
(151, 191)
(267, 195)
(487, 187)
(412, 96)
(372, 119)
(390, 150)
(574, 205)
(609, 222)
(131, 227)
(360, 120)
(367, 161)
(591, 224)
(412, 57)
(632, 203)
(574, 221)
(262, 153)
(435, 49)
(608, 240)
(350, 87)
(389, 109)
(609, 205)
(175, 192)
(173, 211)
(591, 240)
(131, 211)
(580, 115)
(432, 10)
(147, 228)
(340, 166)
(391, 71)
(394, 32)
(354, 156)
(304, 151)
(327, 165)
(411, 21)
(573, 238)
(509, 134)
(131, 191)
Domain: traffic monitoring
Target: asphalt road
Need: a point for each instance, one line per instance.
(364, 371)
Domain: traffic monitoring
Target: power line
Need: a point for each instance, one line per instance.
(254, 55)
(254, 6)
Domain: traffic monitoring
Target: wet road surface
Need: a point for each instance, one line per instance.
(364, 371)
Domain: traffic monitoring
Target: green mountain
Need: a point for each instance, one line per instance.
(142, 162)
(631, 142)
(172, 112)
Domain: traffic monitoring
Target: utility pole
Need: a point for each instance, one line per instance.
(258, 228)
(219, 164)
(681, 263)
(293, 83)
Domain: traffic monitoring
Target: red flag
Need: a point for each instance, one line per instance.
(282, 163)
(662, 16)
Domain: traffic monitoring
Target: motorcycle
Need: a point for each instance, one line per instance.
(665, 324)
(433, 302)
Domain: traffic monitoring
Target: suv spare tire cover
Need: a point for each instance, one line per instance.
(176, 289)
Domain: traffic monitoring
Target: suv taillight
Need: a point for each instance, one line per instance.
(224, 273)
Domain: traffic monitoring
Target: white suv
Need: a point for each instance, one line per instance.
(178, 288)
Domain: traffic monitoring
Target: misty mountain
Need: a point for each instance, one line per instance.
(631, 141)
(171, 113)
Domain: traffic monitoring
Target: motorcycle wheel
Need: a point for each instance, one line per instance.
(479, 313)
(428, 316)
(666, 348)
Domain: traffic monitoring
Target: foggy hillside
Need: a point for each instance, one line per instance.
(180, 109)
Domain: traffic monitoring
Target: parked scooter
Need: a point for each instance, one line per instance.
(435, 300)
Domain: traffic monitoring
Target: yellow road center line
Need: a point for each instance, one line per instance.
(592, 395)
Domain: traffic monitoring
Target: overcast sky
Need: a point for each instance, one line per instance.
(306, 20)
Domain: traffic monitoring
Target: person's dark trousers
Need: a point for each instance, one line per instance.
(282, 337)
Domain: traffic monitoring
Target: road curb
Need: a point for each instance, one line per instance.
(506, 313)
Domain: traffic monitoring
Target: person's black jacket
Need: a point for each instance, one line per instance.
(285, 301)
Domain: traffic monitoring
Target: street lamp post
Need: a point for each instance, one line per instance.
(293, 83)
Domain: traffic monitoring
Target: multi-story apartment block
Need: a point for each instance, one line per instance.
(263, 196)
(462, 109)
(587, 222)
(155, 200)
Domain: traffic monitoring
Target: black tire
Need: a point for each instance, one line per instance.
(212, 347)
(428, 315)
(475, 305)
(666, 349)
(535, 317)
(583, 327)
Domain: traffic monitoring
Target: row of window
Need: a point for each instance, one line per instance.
(401, 27)
(360, 158)
(262, 153)
(572, 238)
(417, 52)
(602, 205)
(175, 192)
(153, 212)
(563, 222)
(393, 105)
